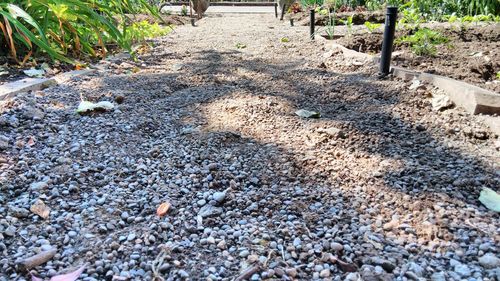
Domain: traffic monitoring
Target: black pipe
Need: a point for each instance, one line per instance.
(390, 28)
(312, 23)
(291, 22)
(283, 11)
(276, 10)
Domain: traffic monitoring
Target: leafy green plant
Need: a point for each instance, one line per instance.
(184, 10)
(349, 24)
(424, 41)
(330, 27)
(64, 28)
(306, 4)
(498, 75)
(372, 26)
(140, 31)
(240, 45)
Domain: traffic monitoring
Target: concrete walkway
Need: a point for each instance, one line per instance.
(230, 9)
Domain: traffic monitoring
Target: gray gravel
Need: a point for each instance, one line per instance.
(392, 197)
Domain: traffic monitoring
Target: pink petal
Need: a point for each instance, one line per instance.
(72, 276)
(34, 278)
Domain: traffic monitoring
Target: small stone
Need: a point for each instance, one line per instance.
(391, 225)
(10, 231)
(209, 210)
(119, 99)
(213, 166)
(336, 247)
(19, 212)
(489, 261)
(297, 242)
(292, 272)
(219, 196)
(182, 273)
(244, 253)
(462, 270)
(37, 186)
(417, 269)
(222, 245)
(438, 276)
(324, 273)
(131, 237)
(124, 215)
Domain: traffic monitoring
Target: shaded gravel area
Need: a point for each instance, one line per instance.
(381, 187)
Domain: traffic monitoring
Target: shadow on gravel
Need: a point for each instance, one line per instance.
(288, 180)
(379, 118)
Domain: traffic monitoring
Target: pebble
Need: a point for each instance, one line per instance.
(244, 253)
(324, 273)
(219, 196)
(489, 261)
(462, 270)
(38, 186)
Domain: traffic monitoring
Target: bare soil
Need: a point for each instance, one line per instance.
(472, 55)
(358, 18)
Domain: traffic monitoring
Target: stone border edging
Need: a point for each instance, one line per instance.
(473, 99)
(9, 90)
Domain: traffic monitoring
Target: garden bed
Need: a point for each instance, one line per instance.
(10, 71)
(358, 18)
(471, 55)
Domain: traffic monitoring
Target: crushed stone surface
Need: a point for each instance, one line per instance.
(380, 187)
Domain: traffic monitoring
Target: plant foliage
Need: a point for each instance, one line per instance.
(424, 41)
(67, 28)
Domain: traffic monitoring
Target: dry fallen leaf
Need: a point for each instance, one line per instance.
(31, 141)
(163, 209)
(40, 209)
(72, 276)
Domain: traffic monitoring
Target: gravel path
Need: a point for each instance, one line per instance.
(381, 186)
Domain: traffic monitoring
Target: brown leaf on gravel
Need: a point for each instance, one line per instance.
(163, 209)
(31, 141)
(344, 266)
(40, 209)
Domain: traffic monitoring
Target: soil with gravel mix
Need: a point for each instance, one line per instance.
(472, 54)
(381, 186)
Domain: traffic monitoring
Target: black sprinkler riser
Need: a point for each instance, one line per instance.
(387, 44)
(312, 24)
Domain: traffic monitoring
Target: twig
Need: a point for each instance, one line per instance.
(245, 275)
(37, 260)
(268, 258)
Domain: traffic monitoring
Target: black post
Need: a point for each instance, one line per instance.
(291, 22)
(312, 23)
(283, 11)
(192, 22)
(390, 28)
(276, 10)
